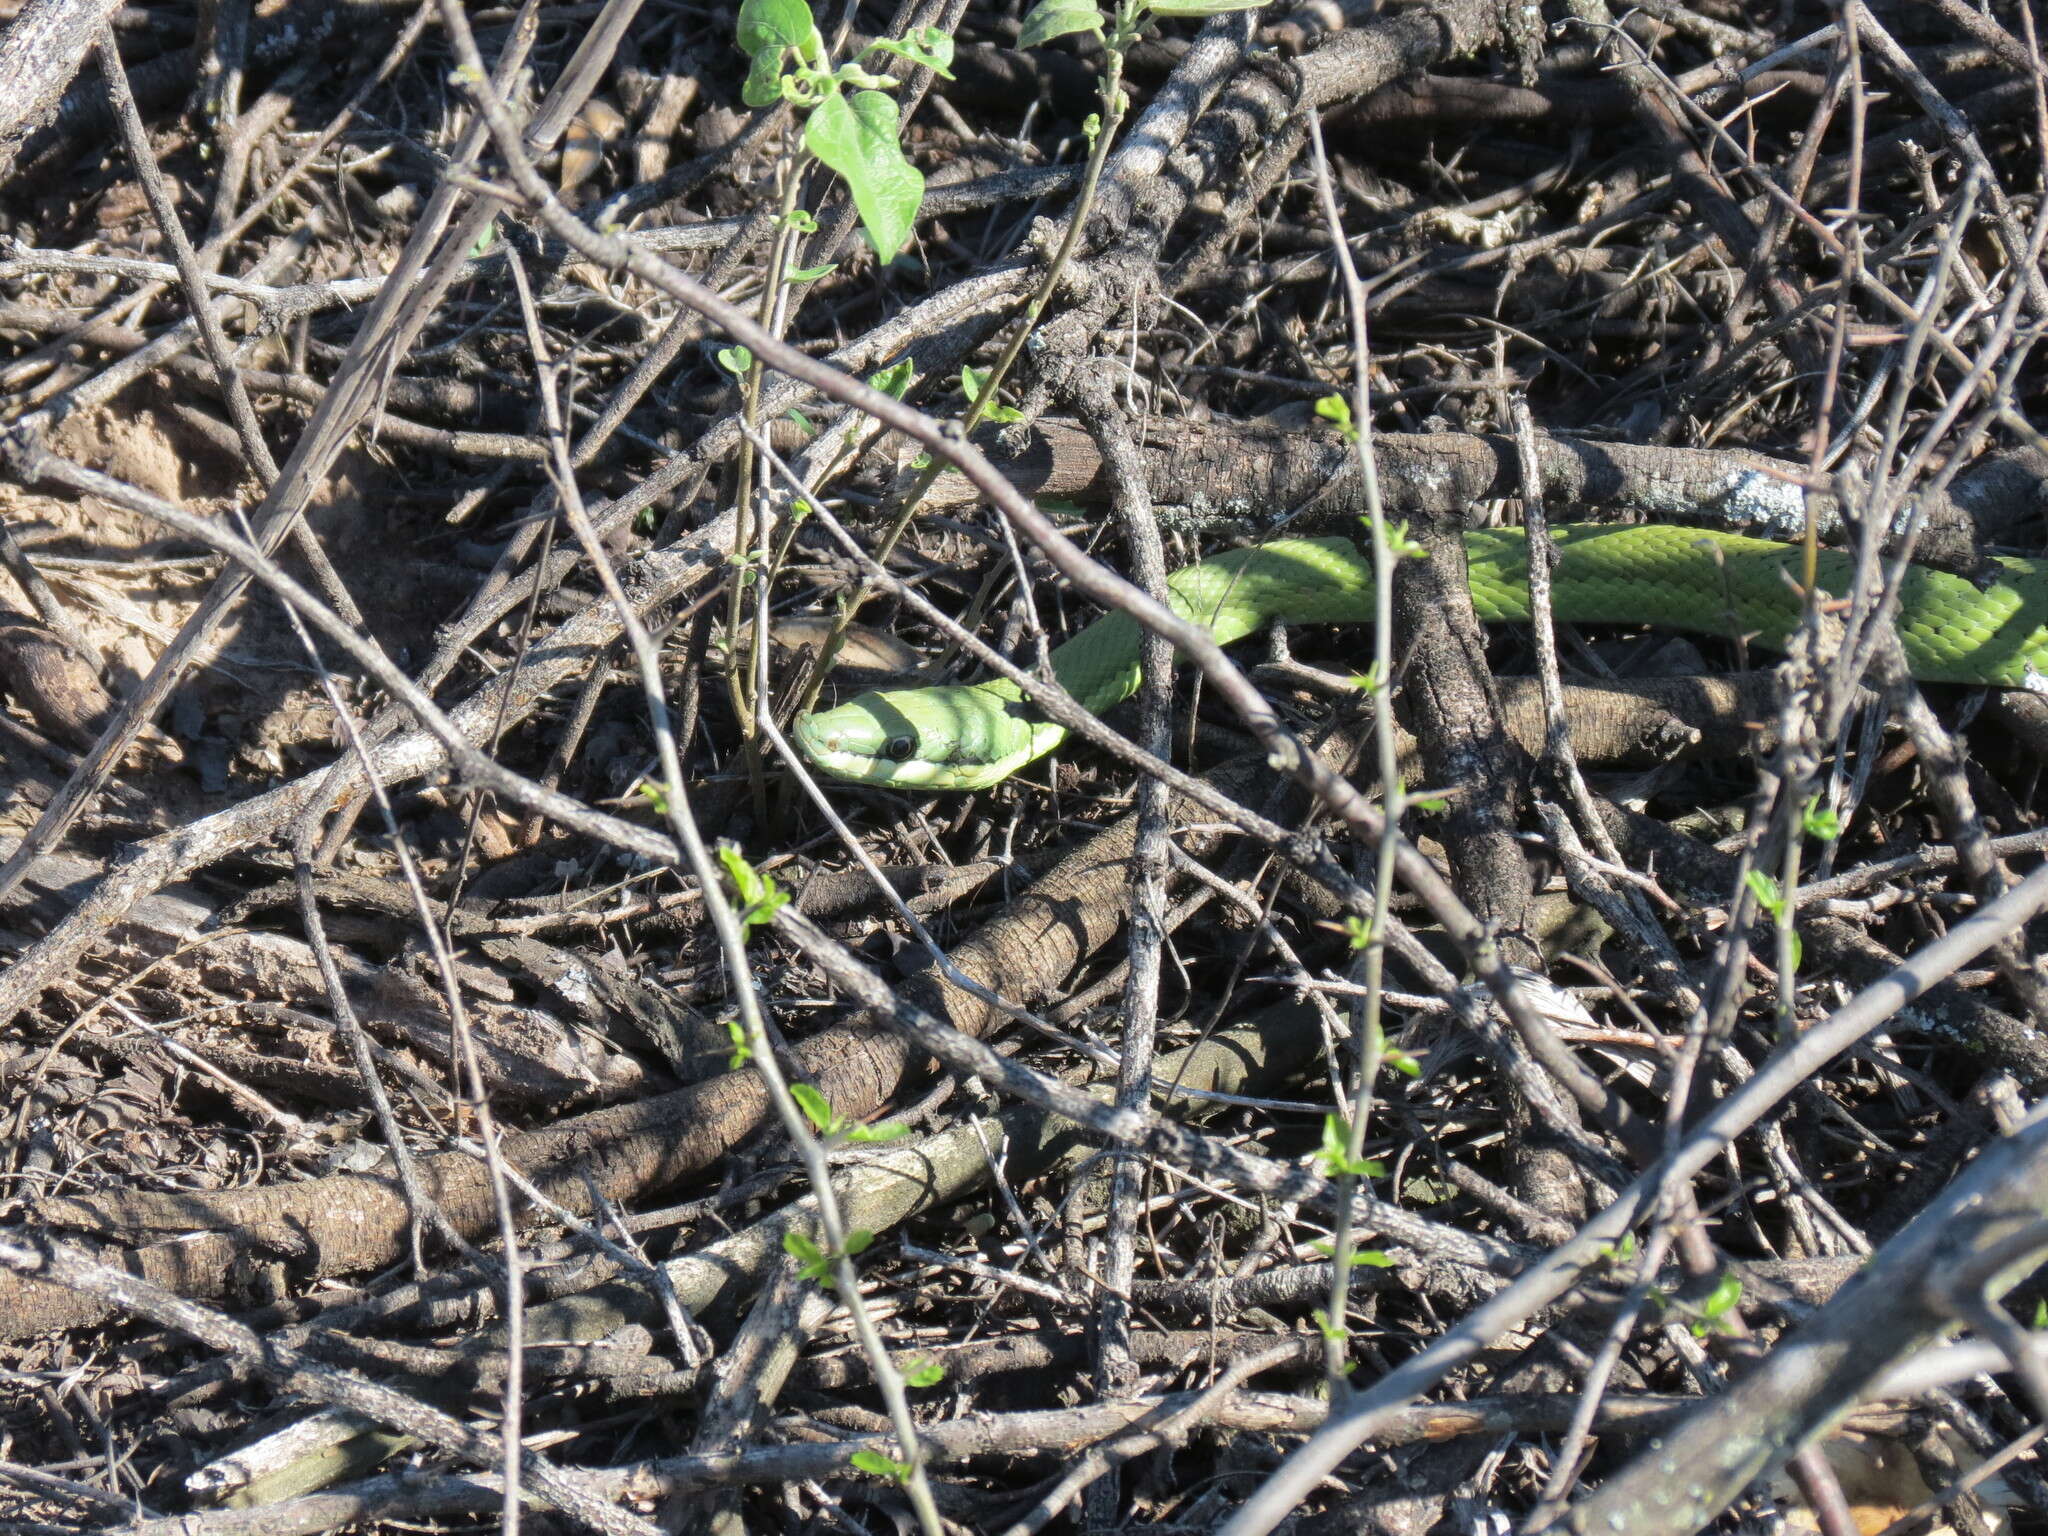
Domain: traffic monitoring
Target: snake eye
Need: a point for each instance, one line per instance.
(899, 748)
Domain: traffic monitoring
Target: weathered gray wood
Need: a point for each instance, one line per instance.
(38, 56)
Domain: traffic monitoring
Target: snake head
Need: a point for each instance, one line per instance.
(925, 738)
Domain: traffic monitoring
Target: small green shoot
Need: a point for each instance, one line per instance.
(1372, 1258)
(735, 360)
(813, 1263)
(1717, 1312)
(760, 897)
(1623, 1252)
(802, 220)
(1335, 1333)
(1764, 887)
(923, 1372)
(656, 795)
(810, 274)
(851, 124)
(834, 1128)
(973, 383)
(894, 380)
(1335, 1154)
(1821, 822)
(1057, 18)
(1336, 410)
(1771, 898)
(815, 1108)
(877, 1465)
(742, 1047)
(1403, 547)
(930, 46)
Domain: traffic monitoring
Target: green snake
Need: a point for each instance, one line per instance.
(974, 735)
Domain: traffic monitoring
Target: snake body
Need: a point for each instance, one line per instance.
(974, 735)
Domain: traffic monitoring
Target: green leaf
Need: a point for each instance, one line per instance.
(1056, 18)
(889, 1132)
(1335, 408)
(930, 46)
(745, 878)
(797, 418)
(810, 274)
(896, 379)
(1357, 931)
(857, 137)
(813, 1104)
(742, 1047)
(1722, 1298)
(767, 25)
(655, 795)
(878, 1465)
(1821, 821)
(1431, 805)
(802, 220)
(1621, 1252)
(1404, 548)
(735, 359)
(1336, 1333)
(763, 85)
(924, 1372)
(859, 1240)
(813, 1263)
(1372, 1257)
(1765, 889)
(974, 384)
(1335, 1153)
(1200, 7)
(760, 897)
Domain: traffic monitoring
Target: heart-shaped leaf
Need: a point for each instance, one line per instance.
(1056, 18)
(856, 136)
(928, 46)
(767, 25)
